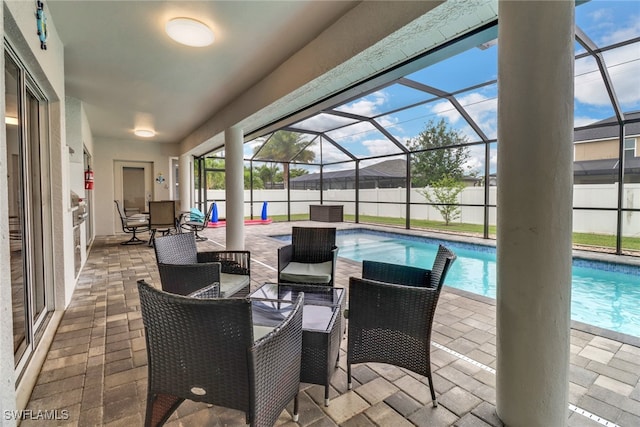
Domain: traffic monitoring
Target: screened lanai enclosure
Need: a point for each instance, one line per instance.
(416, 147)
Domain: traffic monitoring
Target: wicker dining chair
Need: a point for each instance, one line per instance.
(391, 312)
(310, 258)
(204, 350)
(178, 253)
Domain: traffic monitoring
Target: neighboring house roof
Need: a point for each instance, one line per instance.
(395, 168)
(388, 169)
(608, 128)
(605, 166)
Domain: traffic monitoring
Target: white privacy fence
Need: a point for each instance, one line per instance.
(391, 202)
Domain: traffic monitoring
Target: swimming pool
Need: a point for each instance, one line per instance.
(603, 294)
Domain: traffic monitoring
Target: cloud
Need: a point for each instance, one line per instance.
(367, 106)
(623, 65)
(323, 122)
(379, 147)
(621, 33)
(583, 120)
(481, 109)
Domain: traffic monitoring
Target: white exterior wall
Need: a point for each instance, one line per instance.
(47, 69)
(107, 151)
(591, 195)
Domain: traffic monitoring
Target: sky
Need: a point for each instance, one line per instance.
(604, 22)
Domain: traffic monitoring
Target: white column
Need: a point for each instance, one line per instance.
(234, 183)
(185, 173)
(535, 132)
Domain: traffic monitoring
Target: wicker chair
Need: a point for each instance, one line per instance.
(205, 350)
(177, 254)
(391, 312)
(310, 258)
(196, 226)
(132, 226)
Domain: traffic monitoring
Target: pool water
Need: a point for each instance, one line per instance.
(601, 296)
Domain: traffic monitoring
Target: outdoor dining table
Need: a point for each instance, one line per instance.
(322, 325)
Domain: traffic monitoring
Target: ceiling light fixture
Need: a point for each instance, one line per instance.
(144, 133)
(189, 32)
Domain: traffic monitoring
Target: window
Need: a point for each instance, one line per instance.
(629, 148)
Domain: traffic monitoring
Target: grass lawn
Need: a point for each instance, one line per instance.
(581, 239)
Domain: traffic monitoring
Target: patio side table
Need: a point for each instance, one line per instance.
(322, 325)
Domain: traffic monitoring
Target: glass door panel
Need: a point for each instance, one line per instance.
(35, 218)
(15, 158)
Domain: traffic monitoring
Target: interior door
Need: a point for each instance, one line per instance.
(133, 185)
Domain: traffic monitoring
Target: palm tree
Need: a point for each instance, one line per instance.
(284, 146)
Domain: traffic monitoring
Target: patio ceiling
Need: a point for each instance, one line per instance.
(457, 83)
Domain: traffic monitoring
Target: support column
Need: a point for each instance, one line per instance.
(185, 173)
(234, 184)
(535, 183)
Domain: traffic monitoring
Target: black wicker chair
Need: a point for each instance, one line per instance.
(205, 350)
(310, 258)
(391, 312)
(184, 279)
(196, 226)
(132, 226)
(179, 263)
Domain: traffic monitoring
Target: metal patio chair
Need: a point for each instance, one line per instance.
(132, 225)
(196, 226)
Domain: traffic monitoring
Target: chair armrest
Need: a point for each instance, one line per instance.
(334, 251)
(184, 279)
(211, 291)
(285, 256)
(232, 262)
(388, 306)
(275, 364)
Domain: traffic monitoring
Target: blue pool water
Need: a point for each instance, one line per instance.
(603, 294)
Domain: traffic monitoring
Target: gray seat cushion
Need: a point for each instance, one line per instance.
(297, 272)
(232, 283)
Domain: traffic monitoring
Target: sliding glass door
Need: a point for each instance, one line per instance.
(29, 208)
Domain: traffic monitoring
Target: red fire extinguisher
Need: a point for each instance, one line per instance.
(88, 179)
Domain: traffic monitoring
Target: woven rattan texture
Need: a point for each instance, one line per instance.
(203, 350)
(309, 245)
(390, 322)
(188, 278)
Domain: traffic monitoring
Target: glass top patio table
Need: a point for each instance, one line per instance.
(320, 304)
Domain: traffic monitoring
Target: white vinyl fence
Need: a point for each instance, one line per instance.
(390, 202)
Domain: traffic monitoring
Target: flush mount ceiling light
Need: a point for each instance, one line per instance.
(189, 32)
(144, 133)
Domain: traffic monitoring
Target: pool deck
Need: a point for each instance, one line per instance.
(98, 356)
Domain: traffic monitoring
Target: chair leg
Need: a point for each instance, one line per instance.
(159, 408)
(134, 240)
(326, 395)
(433, 392)
(153, 234)
(295, 409)
(200, 238)
(349, 385)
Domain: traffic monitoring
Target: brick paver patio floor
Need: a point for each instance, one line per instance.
(96, 367)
